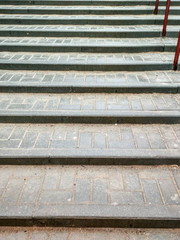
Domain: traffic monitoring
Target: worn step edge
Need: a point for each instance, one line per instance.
(8, 65)
(99, 117)
(91, 88)
(10, 156)
(92, 216)
(87, 48)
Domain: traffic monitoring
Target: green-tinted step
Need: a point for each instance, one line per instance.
(103, 10)
(89, 108)
(89, 82)
(87, 61)
(123, 197)
(133, 31)
(87, 2)
(93, 45)
(87, 19)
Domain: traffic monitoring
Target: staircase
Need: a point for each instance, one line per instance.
(89, 120)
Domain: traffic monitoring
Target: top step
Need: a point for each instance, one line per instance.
(88, 2)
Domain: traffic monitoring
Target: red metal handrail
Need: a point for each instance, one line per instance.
(156, 7)
(176, 58)
(166, 17)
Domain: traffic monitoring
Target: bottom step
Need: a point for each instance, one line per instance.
(87, 234)
(90, 196)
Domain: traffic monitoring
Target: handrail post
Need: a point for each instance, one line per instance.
(166, 17)
(156, 7)
(176, 58)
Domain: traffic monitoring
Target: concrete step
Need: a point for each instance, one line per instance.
(87, 61)
(88, 2)
(139, 31)
(82, 196)
(132, 31)
(12, 233)
(87, 19)
(97, 144)
(89, 82)
(91, 45)
(81, 10)
(90, 108)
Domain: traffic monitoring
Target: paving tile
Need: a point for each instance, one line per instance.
(50, 197)
(151, 191)
(100, 195)
(30, 191)
(29, 140)
(67, 178)
(131, 179)
(127, 198)
(82, 190)
(169, 191)
(51, 178)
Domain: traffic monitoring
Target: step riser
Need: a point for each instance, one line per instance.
(88, 49)
(81, 67)
(88, 89)
(87, 21)
(126, 161)
(90, 222)
(83, 12)
(87, 34)
(89, 120)
(87, 3)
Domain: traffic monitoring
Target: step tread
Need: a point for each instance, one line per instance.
(94, 140)
(89, 82)
(105, 104)
(79, 233)
(90, 192)
(88, 78)
(87, 58)
(64, 41)
(92, 28)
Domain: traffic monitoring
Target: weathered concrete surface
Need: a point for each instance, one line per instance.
(140, 194)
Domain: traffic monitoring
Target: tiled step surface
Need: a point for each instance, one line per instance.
(89, 82)
(87, 19)
(124, 31)
(92, 45)
(87, 61)
(66, 195)
(135, 10)
(89, 144)
(73, 132)
(12, 233)
(90, 108)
